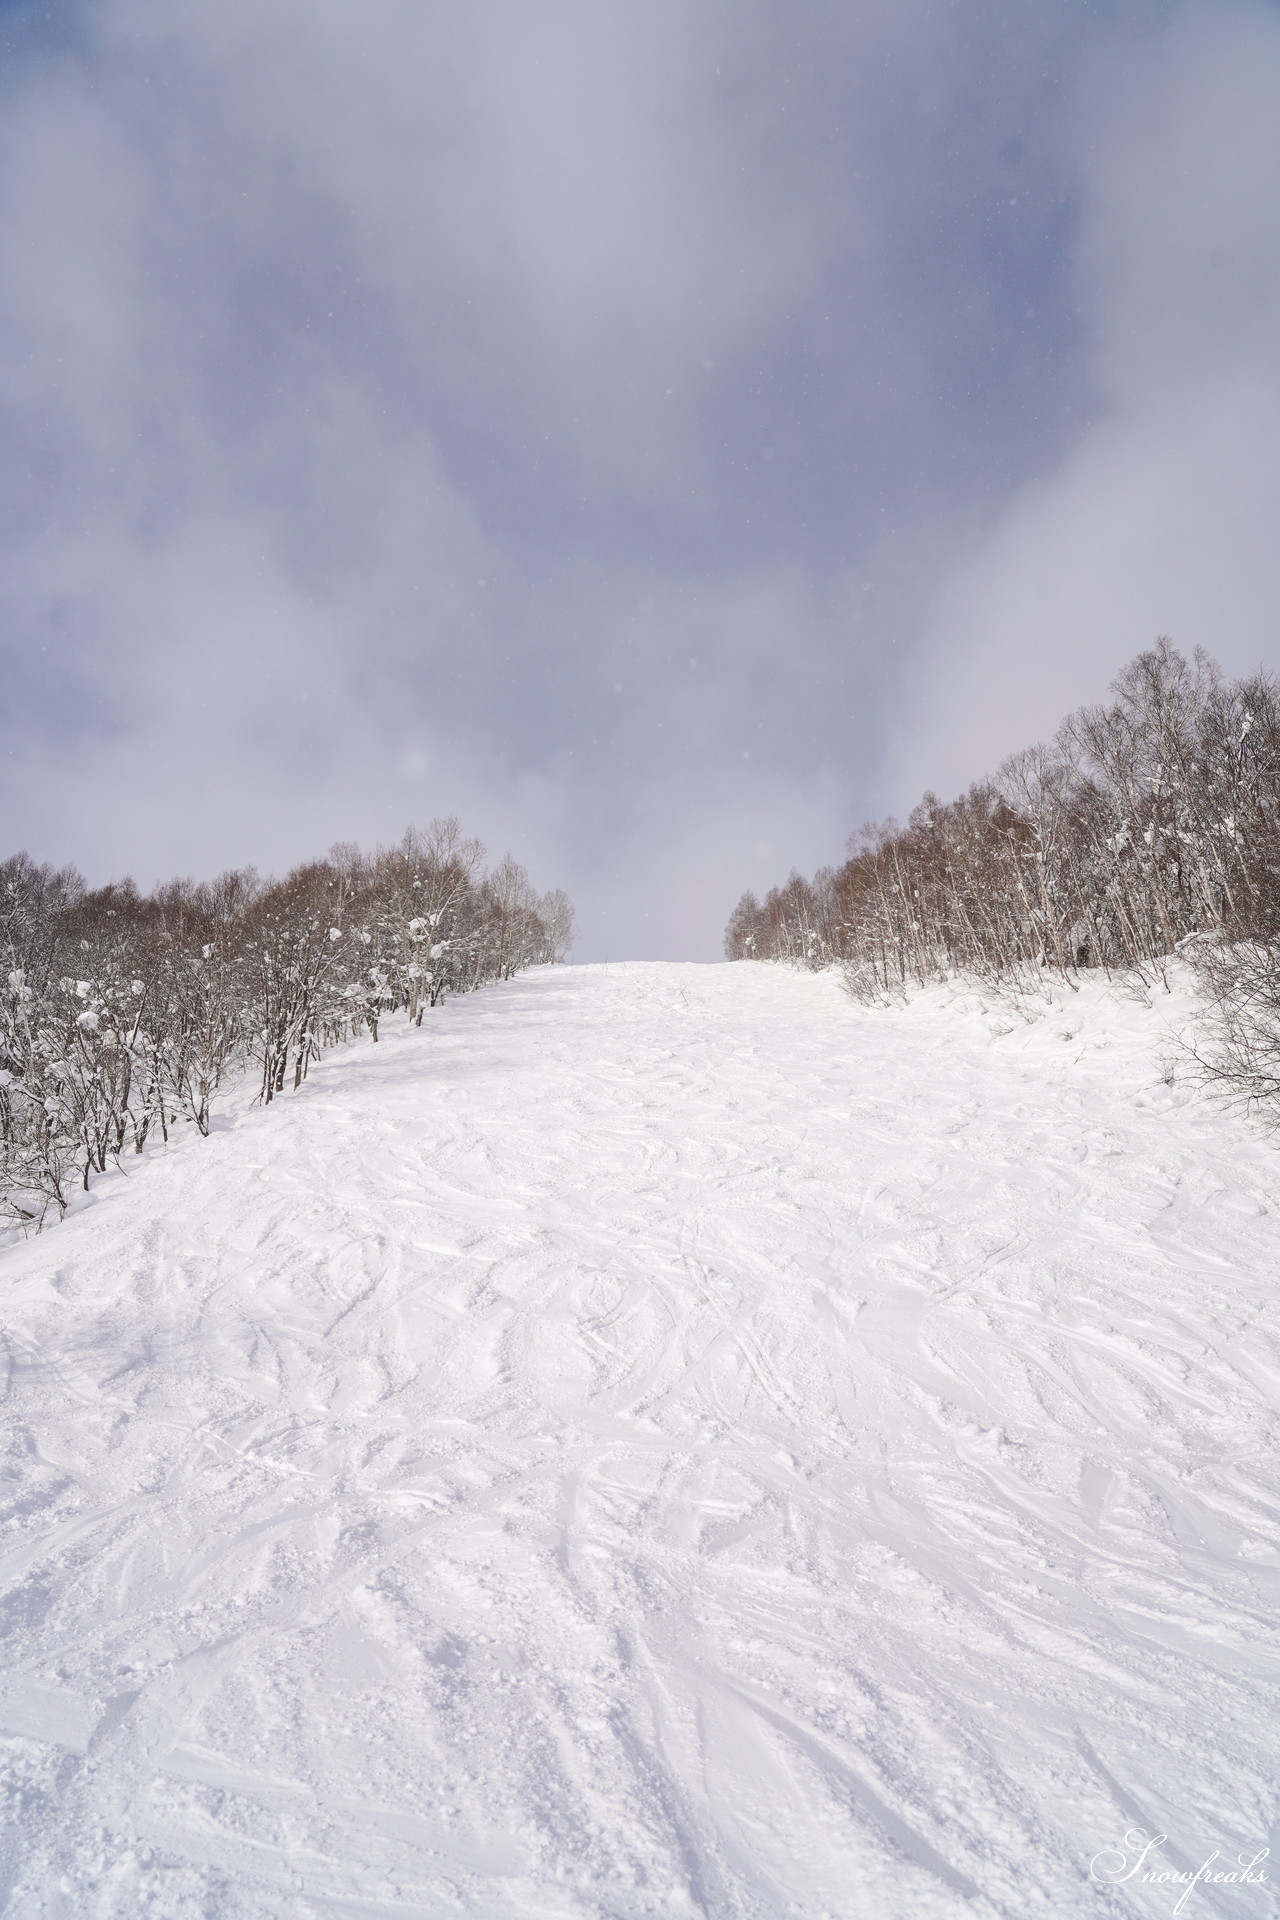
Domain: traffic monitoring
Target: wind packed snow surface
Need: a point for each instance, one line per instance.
(659, 1440)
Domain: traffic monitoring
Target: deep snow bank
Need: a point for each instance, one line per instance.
(659, 1440)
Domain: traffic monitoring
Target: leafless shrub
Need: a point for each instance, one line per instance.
(1237, 1048)
(1148, 820)
(122, 1014)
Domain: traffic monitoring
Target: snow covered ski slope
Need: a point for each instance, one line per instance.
(660, 1440)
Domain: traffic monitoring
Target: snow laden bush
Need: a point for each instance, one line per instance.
(1238, 1047)
(1150, 826)
(122, 1014)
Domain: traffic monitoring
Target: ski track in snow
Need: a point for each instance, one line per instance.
(659, 1440)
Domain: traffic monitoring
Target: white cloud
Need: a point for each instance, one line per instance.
(382, 390)
(737, 833)
(252, 259)
(1162, 518)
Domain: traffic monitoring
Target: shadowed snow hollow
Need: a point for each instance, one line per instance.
(659, 1440)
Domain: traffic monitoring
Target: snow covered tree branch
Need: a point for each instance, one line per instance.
(121, 1014)
(1149, 826)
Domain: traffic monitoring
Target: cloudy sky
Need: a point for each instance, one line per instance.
(664, 434)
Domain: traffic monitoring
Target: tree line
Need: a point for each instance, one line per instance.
(1150, 825)
(122, 1013)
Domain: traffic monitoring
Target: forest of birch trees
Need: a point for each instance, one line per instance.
(1150, 826)
(122, 1013)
